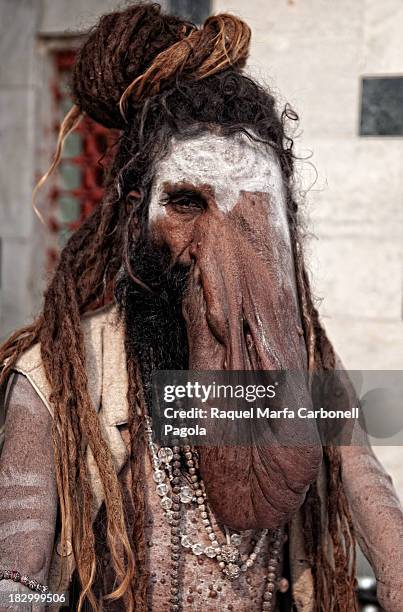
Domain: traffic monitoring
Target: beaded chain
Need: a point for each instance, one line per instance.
(177, 490)
(32, 584)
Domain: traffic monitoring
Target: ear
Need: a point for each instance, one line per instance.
(134, 194)
(133, 200)
(133, 197)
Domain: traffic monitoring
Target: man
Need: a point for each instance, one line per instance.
(198, 237)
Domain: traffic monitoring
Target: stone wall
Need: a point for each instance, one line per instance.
(18, 25)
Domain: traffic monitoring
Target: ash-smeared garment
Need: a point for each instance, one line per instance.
(28, 498)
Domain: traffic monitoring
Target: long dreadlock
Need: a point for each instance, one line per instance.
(151, 75)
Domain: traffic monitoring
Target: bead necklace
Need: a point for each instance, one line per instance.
(179, 490)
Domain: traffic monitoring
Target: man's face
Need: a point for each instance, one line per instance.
(218, 215)
(214, 175)
(218, 203)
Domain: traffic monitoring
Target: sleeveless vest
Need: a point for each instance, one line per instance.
(107, 380)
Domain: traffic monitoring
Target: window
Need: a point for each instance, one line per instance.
(76, 187)
(382, 106)
(196, 12)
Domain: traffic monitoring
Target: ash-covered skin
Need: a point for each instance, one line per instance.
(219, 205)
(28, 498)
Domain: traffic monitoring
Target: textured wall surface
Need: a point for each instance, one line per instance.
(18, 24)
(69, 16)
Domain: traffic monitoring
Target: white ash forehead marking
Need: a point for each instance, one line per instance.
(230, 164)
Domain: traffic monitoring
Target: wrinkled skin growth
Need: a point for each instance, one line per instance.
(218, 204)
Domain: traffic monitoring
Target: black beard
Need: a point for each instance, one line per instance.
(155, 330)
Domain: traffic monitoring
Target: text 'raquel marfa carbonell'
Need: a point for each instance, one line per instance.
(259, 413)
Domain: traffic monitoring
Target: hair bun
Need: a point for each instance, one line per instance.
(132, 54)
(118, 50)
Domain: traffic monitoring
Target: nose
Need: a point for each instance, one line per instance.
(194, 249)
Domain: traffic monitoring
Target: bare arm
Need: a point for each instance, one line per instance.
(378, 520)
(28, 498)
(377, 512)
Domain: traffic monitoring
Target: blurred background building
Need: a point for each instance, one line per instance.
(340, 66)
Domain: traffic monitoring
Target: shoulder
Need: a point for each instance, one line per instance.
(103, 338)
(94, 325)
(99, 321)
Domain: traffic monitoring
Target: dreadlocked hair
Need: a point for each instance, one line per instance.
(152, 76)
